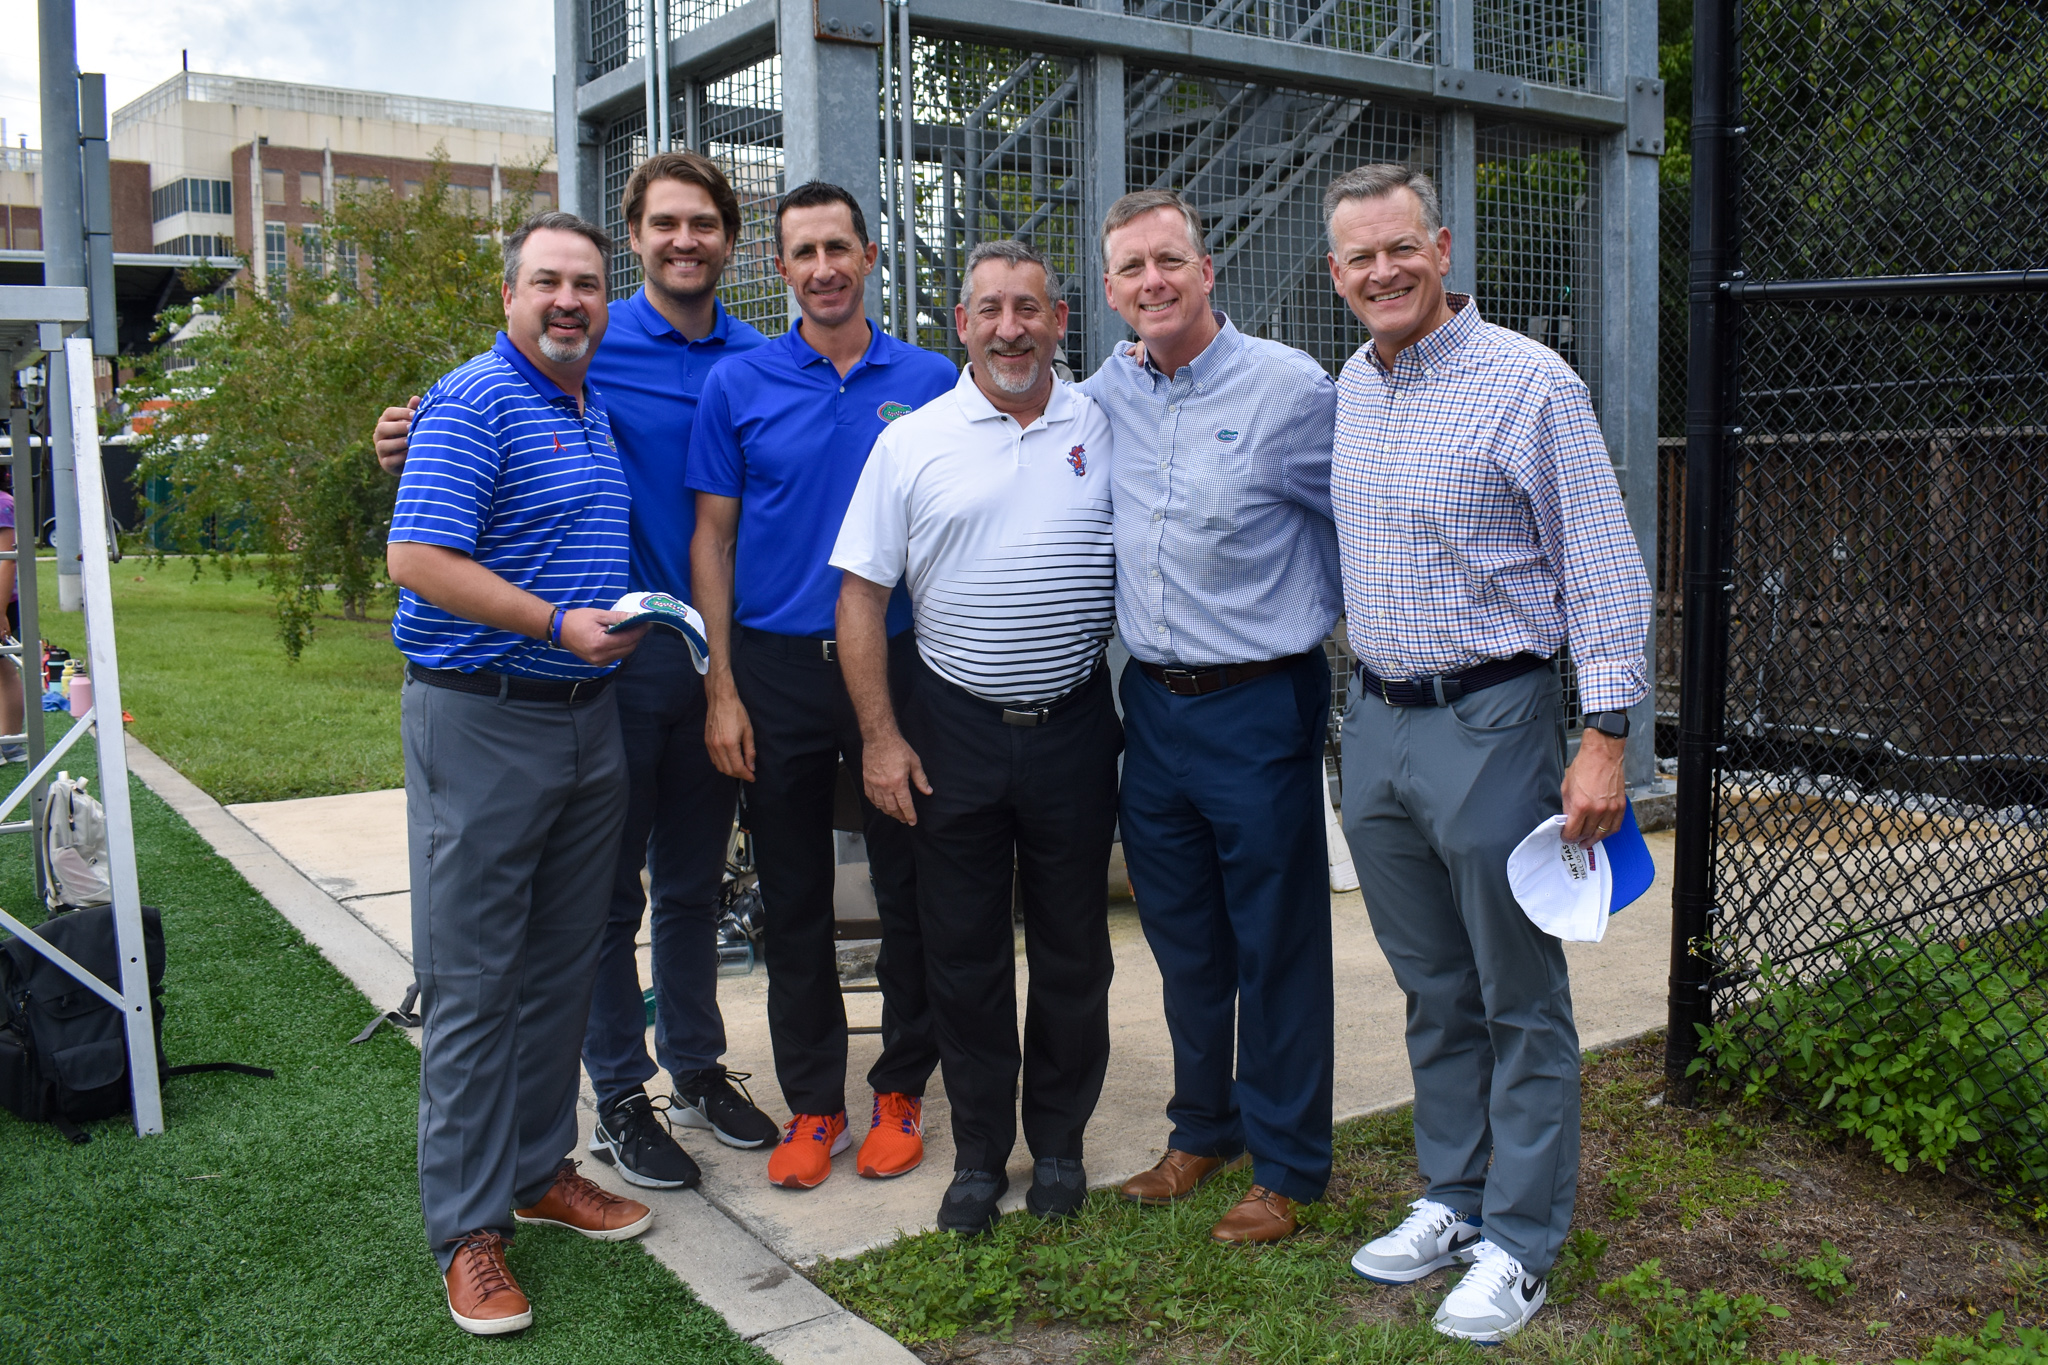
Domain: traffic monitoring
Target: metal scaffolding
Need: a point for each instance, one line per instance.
(957, 120)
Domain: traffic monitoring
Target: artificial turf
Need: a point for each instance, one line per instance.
(212, 692)
(275, 1220)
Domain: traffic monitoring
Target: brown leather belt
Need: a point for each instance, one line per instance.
(1200, 682)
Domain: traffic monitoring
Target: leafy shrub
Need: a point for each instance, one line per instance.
(1825, 1274)
(1928, 1050)
(1992, 1346)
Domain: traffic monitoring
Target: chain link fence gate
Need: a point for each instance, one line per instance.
(1862, 885)
(1027, 117)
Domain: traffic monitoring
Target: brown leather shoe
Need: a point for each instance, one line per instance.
(578, 1204)
(482, 1295)
(1261, 1216)
(1178, 1175)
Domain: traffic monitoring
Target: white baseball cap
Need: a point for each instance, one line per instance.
(1569, 892)
(668, 613)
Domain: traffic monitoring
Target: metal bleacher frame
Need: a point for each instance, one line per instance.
(44, 320)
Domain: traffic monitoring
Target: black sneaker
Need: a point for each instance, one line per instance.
(717, 1099)
(1059, 1186)
(969, 1207)
(632, 1137)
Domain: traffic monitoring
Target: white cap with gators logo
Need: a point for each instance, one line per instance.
(670, 614)
(1569, 892)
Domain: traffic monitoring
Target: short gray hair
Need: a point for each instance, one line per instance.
(1383, 178)
(1138, 203)
(515, 245)
(1016, 253)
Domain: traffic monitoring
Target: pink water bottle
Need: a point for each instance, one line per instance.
(81, 695)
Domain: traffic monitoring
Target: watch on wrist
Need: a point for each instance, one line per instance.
(1611, 723)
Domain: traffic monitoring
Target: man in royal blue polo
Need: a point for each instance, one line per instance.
(780, 441)
(509, 542)
(683, 220)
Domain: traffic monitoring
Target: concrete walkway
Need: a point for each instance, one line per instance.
(352, 848)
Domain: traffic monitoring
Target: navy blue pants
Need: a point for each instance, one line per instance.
(678, 821)
(1222, 818)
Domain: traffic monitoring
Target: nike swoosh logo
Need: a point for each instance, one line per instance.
(1459, 1243)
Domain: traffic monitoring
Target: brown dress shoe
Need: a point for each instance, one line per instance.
(1178, 1175)
(482, 1295)
(1261, 1216)
(578, 1204)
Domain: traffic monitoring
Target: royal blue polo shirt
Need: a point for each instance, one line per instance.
(651, 376)
(781, 430)
(501, 466)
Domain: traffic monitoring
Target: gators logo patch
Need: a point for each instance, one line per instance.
(889, 412)
(1077, 460)
(661, 601)
(1226, 435)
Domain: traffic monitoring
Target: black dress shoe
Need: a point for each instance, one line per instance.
(969, 1207)
(1059, 1186)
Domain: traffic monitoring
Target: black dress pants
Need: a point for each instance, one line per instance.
(1041, 799)
(803, 722)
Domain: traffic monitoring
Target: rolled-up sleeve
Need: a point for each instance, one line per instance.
(1582, 527)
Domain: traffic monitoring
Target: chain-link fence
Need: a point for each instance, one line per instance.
(1878, 825)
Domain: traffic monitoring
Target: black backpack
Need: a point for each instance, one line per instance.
(63, 1053)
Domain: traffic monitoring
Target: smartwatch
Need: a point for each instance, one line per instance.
(1611, 723)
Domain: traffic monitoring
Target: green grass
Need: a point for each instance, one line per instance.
(276, 1220)
(212, 692)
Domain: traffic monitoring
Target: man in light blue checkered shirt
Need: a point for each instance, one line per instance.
(1226, 584)
(1481, 531)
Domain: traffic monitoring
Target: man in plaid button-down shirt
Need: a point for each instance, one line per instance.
(1480, 530)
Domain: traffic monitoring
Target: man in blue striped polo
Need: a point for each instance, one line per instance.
(509, 541)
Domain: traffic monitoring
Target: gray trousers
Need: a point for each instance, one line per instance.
(1435, 798)
(513, 811)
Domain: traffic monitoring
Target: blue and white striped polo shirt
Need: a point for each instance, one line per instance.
(502, 467)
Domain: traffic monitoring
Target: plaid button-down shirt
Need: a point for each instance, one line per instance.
(1478, 516)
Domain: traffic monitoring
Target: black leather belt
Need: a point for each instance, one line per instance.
(1442, 689)
(1200, 682)
(484, 683)
(1017, 714)
(793, 646)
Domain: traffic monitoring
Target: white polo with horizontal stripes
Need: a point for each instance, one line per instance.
(1004, 534)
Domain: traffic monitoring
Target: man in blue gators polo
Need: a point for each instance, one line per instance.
(1226, 584)
(509, 542)
(682, 220)
(780, 441)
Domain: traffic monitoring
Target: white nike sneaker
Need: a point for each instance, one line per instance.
(1432, 1237)
(1493, 1301)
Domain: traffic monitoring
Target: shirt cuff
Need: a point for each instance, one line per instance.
(1611, 685)
(423, 536)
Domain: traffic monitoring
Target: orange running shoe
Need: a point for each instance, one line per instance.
(803, 1158)
(895, 1141)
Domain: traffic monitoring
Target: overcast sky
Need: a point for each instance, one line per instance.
(490, 51)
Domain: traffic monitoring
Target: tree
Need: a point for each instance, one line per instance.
(263, 435)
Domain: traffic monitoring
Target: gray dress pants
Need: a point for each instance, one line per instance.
(513, 811)
(1435, 798)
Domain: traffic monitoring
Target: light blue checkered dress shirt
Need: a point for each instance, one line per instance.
(1479, 516)
(1225, 553)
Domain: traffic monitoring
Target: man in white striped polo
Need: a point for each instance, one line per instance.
(994, 501)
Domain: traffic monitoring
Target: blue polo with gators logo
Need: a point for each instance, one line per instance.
(781, 430)
(501, 466)
(652, 377)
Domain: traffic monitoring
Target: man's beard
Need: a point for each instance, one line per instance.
(1001, 378)
(563, 352)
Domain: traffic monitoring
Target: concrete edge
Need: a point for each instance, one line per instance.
(802, 1324)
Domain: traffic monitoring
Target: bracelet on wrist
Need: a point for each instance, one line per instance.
(555, 627)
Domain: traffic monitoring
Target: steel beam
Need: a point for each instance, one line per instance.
(63, 186)
(709, 50)
(831, 125)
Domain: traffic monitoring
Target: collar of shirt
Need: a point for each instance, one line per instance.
(1434, 349)
(975, 407)
(642, 310)
(806, 355)
(547, 388)
(1204, 368)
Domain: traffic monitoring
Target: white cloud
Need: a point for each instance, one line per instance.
(490, 51)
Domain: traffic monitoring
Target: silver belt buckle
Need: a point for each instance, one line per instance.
(1024, 716)
(830, 650)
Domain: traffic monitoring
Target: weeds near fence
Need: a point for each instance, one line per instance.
(1932, 1051)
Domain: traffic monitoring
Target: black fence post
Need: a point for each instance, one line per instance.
(1710, 410)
